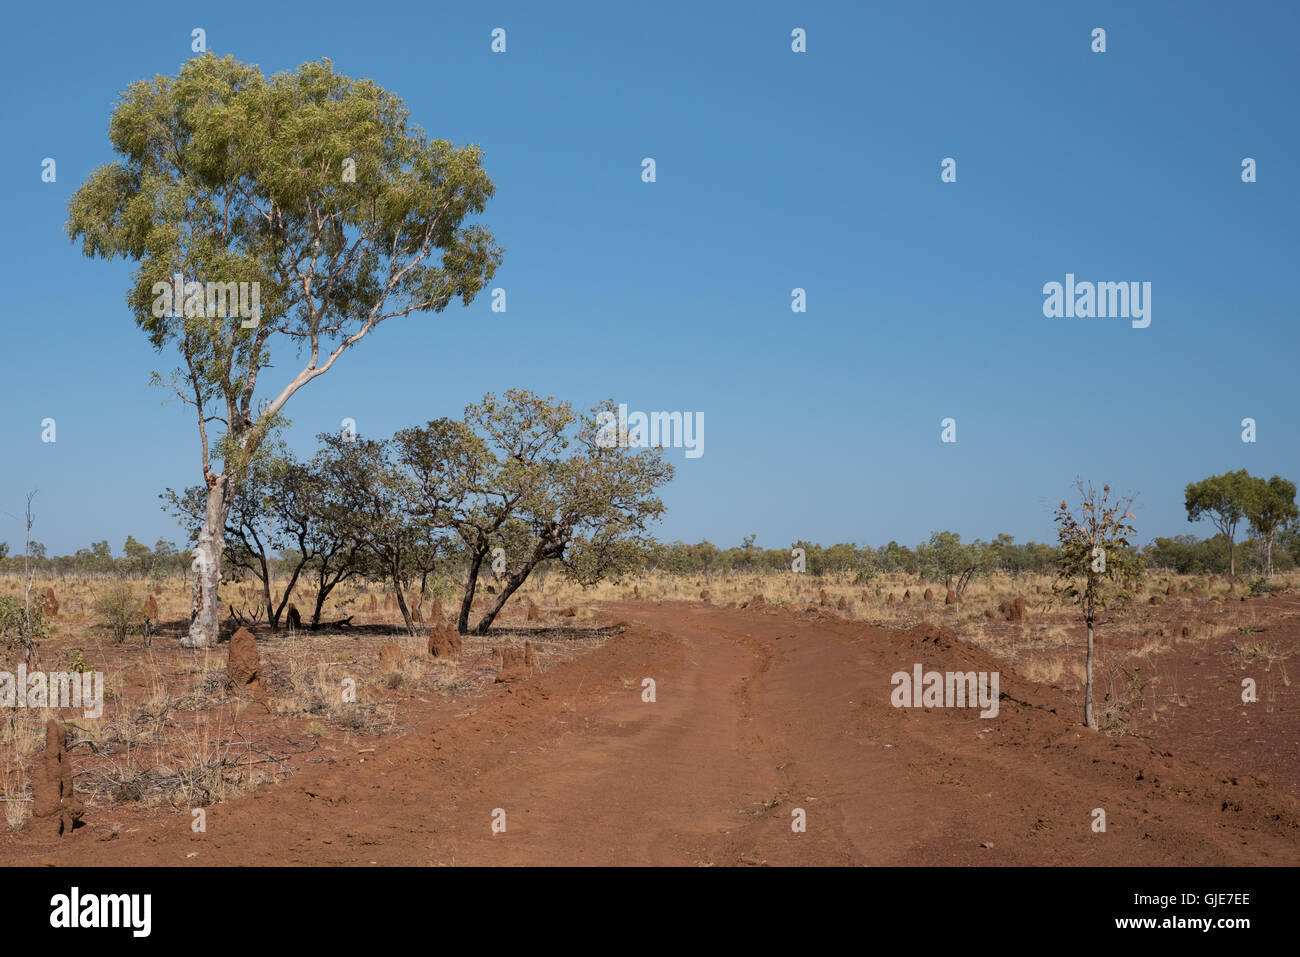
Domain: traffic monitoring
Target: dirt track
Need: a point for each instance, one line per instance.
(758, 712)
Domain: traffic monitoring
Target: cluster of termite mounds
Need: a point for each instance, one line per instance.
(50, 603)
(244, 675)
(1172, 594)
(1012, 610)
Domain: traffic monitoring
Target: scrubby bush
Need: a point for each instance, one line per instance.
(118, 609)
(1260, 586)
(13, 620)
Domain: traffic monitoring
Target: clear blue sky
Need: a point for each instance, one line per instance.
(775, 170)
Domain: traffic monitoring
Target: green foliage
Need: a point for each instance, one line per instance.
(280, 527)
(520, 482)
(946, 559)
(1289, 539)
(1096, 561)
(1221, 499)
(1188, 555)
(1269, 505)
(74, 659)
(138, 557)
(864, 563)
(13, 619)
(11, 616)
(227, 175)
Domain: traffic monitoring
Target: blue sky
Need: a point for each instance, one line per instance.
(775, 170)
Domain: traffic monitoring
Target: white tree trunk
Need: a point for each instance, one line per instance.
(205, 603)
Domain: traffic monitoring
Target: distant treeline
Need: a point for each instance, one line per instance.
(162, 561)
(945, 557)
(941, 558)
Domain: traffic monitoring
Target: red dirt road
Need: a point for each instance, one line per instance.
(758, 712)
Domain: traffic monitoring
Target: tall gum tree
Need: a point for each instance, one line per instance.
(310, 185)
(1268, 506)
(1221, 499)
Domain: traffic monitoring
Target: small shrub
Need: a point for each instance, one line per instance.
(118, 609)
(1120, 705)
(1260, 586)
(13, 619)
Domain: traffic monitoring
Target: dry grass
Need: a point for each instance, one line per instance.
(22, 734)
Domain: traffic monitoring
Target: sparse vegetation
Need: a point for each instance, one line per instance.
(119, 608)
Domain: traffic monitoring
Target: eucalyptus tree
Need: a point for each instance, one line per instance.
(1269, 505)
(272, 218)
(1222, 499)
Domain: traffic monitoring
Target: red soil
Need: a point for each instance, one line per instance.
(758, 712)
